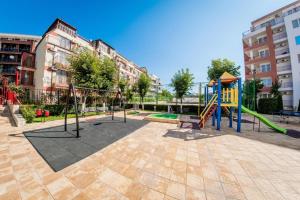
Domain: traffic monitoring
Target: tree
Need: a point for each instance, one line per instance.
(275, 88)
(219, 66)
(143, 86)
(107, 74)
(249, 95)
(277, 95)
(182, 82)
(166, 94)
(122, 84)
(89, 71)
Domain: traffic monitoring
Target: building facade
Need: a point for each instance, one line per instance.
(272, 51)
(17, 58)
(62, 40)
(57, 44)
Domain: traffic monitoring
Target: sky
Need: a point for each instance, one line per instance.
(163, 35)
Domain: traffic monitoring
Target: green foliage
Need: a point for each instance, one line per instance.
(129, 94)
(165, 95)
(55, 109)
(249, 94)
(270, 105)
(28, 113)
(219, 66)
(122, 84)
(143, 85)
(107, 74)
(279, 102)
(182, 82)
(275, 88)
(88, 70)
(85, 67)
(16, 89)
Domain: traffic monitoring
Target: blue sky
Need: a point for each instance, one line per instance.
(163, 35)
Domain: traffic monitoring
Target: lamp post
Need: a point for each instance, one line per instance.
(254, 89)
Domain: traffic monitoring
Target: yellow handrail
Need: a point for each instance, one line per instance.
(208, 106)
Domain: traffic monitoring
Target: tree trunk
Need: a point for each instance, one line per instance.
(83, 104)
(142, 103)
(181, 105)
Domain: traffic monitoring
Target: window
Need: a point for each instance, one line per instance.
(61, 77)
(264, 53)
(296, 23)
(297, 38)
(267, 82)
(64, 42)
(265, 68)
(298, 58)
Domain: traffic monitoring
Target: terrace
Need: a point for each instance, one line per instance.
(152, 160)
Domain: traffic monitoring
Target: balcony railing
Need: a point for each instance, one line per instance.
(284, 68)
(286, 85)
(9, 60)
(15, 49)
(279, 36)
(282, 52)
(272, 22)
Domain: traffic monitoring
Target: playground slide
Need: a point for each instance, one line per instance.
(264, 120)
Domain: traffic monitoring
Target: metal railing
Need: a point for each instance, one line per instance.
(284, 68)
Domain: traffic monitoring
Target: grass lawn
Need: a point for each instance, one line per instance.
(53, 118)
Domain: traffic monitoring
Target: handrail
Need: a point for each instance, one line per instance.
(209, 105)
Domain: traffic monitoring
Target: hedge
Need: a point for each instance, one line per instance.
(28, 112)
(270, 105)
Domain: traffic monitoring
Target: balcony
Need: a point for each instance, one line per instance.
(282, 35)
(8, 60)
(255, 45)
(257, 59)
(284, 69)
(262, 27)
(286, 85)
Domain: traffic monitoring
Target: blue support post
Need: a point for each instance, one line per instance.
(214, 114)
(231, 109)
(239, 114)
(219, 106)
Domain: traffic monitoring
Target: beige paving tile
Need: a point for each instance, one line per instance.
(149, 165)
(195, 194)
(195, 181)
(176, 190)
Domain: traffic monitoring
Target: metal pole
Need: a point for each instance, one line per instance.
(76, 111)
(200, 94)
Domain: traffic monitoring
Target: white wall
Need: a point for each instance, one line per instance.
(40, 64)
(294, 51)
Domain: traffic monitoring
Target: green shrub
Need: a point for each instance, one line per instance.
(28, 113)
(270, 105)
(55, 109)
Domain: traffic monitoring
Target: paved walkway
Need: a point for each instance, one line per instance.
(157, 161)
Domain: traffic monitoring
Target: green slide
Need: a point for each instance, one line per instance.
(264, 120)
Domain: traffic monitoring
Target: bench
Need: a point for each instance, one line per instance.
(188, 119)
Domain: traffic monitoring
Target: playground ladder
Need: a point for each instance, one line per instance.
(208, 110)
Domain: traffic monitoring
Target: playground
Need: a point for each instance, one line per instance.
(220, 154)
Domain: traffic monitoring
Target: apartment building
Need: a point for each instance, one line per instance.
(62, 40)
(17, 58)
(272, 51)
(57, 44)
